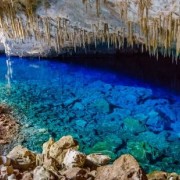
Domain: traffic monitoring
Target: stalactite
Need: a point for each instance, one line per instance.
(178, 40)
(98, 7)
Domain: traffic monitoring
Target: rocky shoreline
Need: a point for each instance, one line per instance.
(62, 160)
(9, 128)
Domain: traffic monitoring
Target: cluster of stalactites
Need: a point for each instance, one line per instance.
(160, 34)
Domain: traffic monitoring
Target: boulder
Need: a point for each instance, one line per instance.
(160, 175)
(5, 161)
(74, 158)
(59, 149)
(47, 145)
(27, 176)
(12, 177)
(40, 173)
(142, 151)
(23, 159)
(97, 159)
(101, 105)
(124, 168)
(76, 173)
(157, 175)
(6, 170)
(133, 125)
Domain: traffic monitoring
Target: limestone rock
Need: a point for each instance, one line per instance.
(23, 159)
(98, 159)
(160, 175)
(27, 176)
(74, 158)
(125, 167)
(157, 175)
(12, 177)
(5, 161)
(47, 145)
(59, 149)
(40, 173)
(6, 170)
(76, 173)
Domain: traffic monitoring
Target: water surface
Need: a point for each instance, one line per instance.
(105, 111)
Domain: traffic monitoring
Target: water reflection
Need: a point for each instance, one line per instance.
(9, 74)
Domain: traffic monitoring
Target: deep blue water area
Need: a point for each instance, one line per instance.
(105, 111)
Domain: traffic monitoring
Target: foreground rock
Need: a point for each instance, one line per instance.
(62, 160)
(125, 167)
(22, 158)
(160, 175)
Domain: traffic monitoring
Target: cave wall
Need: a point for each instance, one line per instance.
(46, 28)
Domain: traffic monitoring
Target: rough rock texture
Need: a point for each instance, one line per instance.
(46, 28)
(23, 159)
(8, 126)
(47, 145)
(59, 149)
(74, 158)
(125, 167)
(160, 175)
(98, 159)
(22, 164)
(40, 173)
(76, 173)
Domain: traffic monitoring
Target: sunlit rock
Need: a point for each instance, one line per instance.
(47, 145)
(59, 149)
(40, 173)
(98, 159)
(23, 159)
(5, 161)
(74, 158)
(76, 173)
(125, 167)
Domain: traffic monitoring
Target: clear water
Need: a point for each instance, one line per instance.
(106, 112)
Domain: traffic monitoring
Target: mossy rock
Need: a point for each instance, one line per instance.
(133, 125)
(142, 151)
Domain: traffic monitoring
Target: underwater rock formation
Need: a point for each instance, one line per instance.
(23, 164)
(48, 28)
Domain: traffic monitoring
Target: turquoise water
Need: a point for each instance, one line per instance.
(105, 111)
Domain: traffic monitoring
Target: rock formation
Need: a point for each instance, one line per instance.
(8, 126)
(42, 28)
(23, 164)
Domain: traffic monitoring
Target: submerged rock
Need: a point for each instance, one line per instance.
(133, 126)
(142, 151)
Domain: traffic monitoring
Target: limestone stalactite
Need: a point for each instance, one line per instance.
(158, 34)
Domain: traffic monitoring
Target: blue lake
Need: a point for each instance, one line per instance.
(105, 111)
